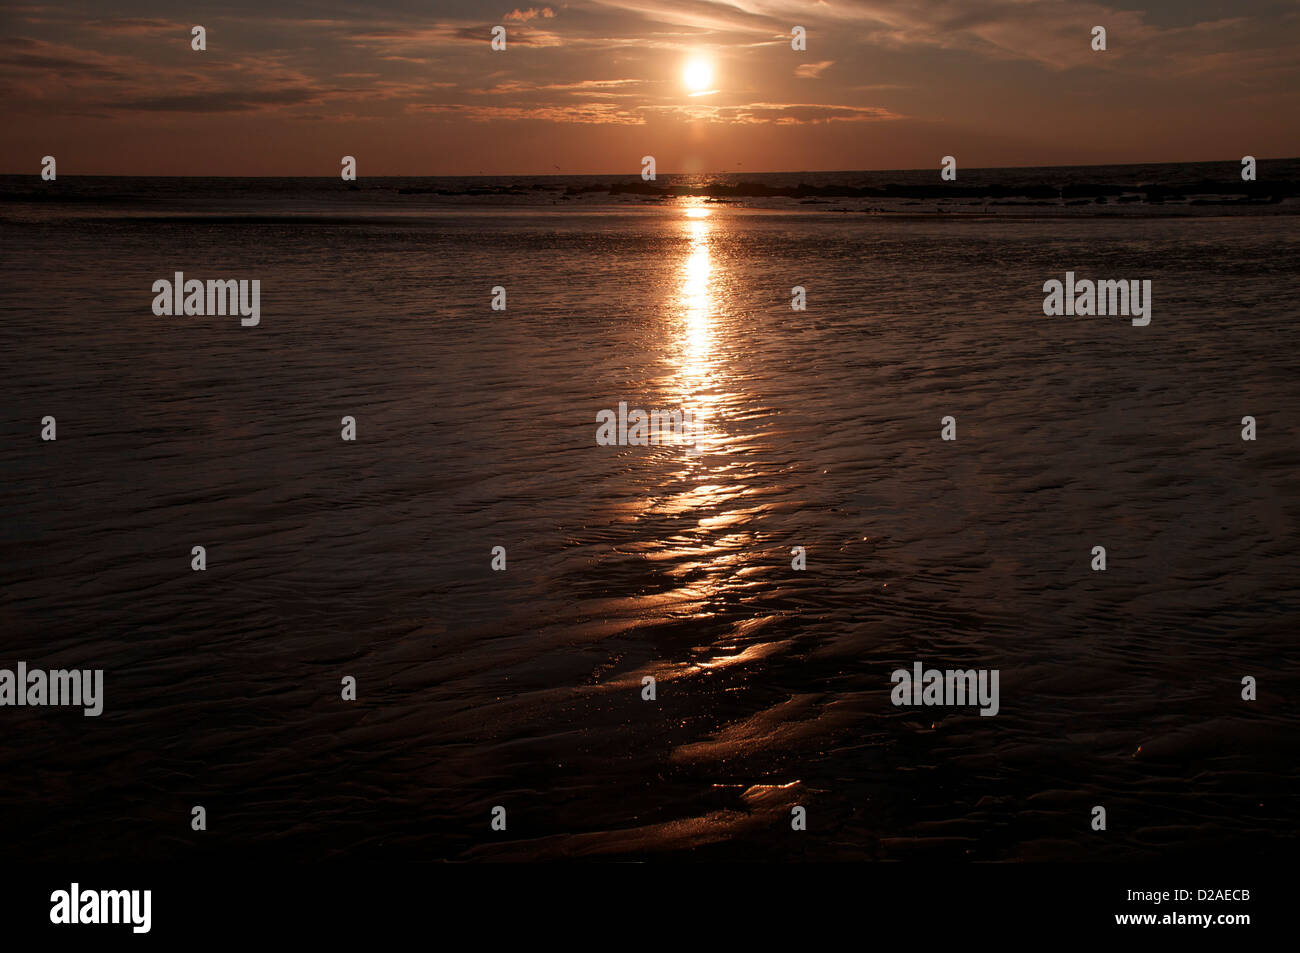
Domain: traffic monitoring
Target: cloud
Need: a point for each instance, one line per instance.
(64, 65)
(622, 114)
(140, 26)
(523, 16)
(779, 113)
(218, 101)
(38, 77)
(586, 87)
(584, 113)
(813, 70)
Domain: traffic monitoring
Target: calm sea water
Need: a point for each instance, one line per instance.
(476, 429)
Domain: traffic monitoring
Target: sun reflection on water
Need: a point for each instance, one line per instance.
(696, 522)
(697, 375)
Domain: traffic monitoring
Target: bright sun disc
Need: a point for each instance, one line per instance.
(697, 75)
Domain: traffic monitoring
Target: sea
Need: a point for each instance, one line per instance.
(646, 674)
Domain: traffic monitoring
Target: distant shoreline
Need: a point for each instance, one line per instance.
(1230, 162)
(1129, 190)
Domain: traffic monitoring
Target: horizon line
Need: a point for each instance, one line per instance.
(636, 173)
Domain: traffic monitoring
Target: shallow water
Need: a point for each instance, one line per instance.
(523, 688)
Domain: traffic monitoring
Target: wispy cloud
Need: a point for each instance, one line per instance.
(813, 70)
(623, 114)
(523, 16)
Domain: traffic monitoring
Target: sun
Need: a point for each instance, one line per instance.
(697, 76)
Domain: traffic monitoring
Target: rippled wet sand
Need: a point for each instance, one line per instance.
(523, 688)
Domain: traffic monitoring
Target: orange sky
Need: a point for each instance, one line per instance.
(409, 88)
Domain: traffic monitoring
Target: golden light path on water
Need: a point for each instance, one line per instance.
(711, 481)
(698, 307)
(712, 562)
